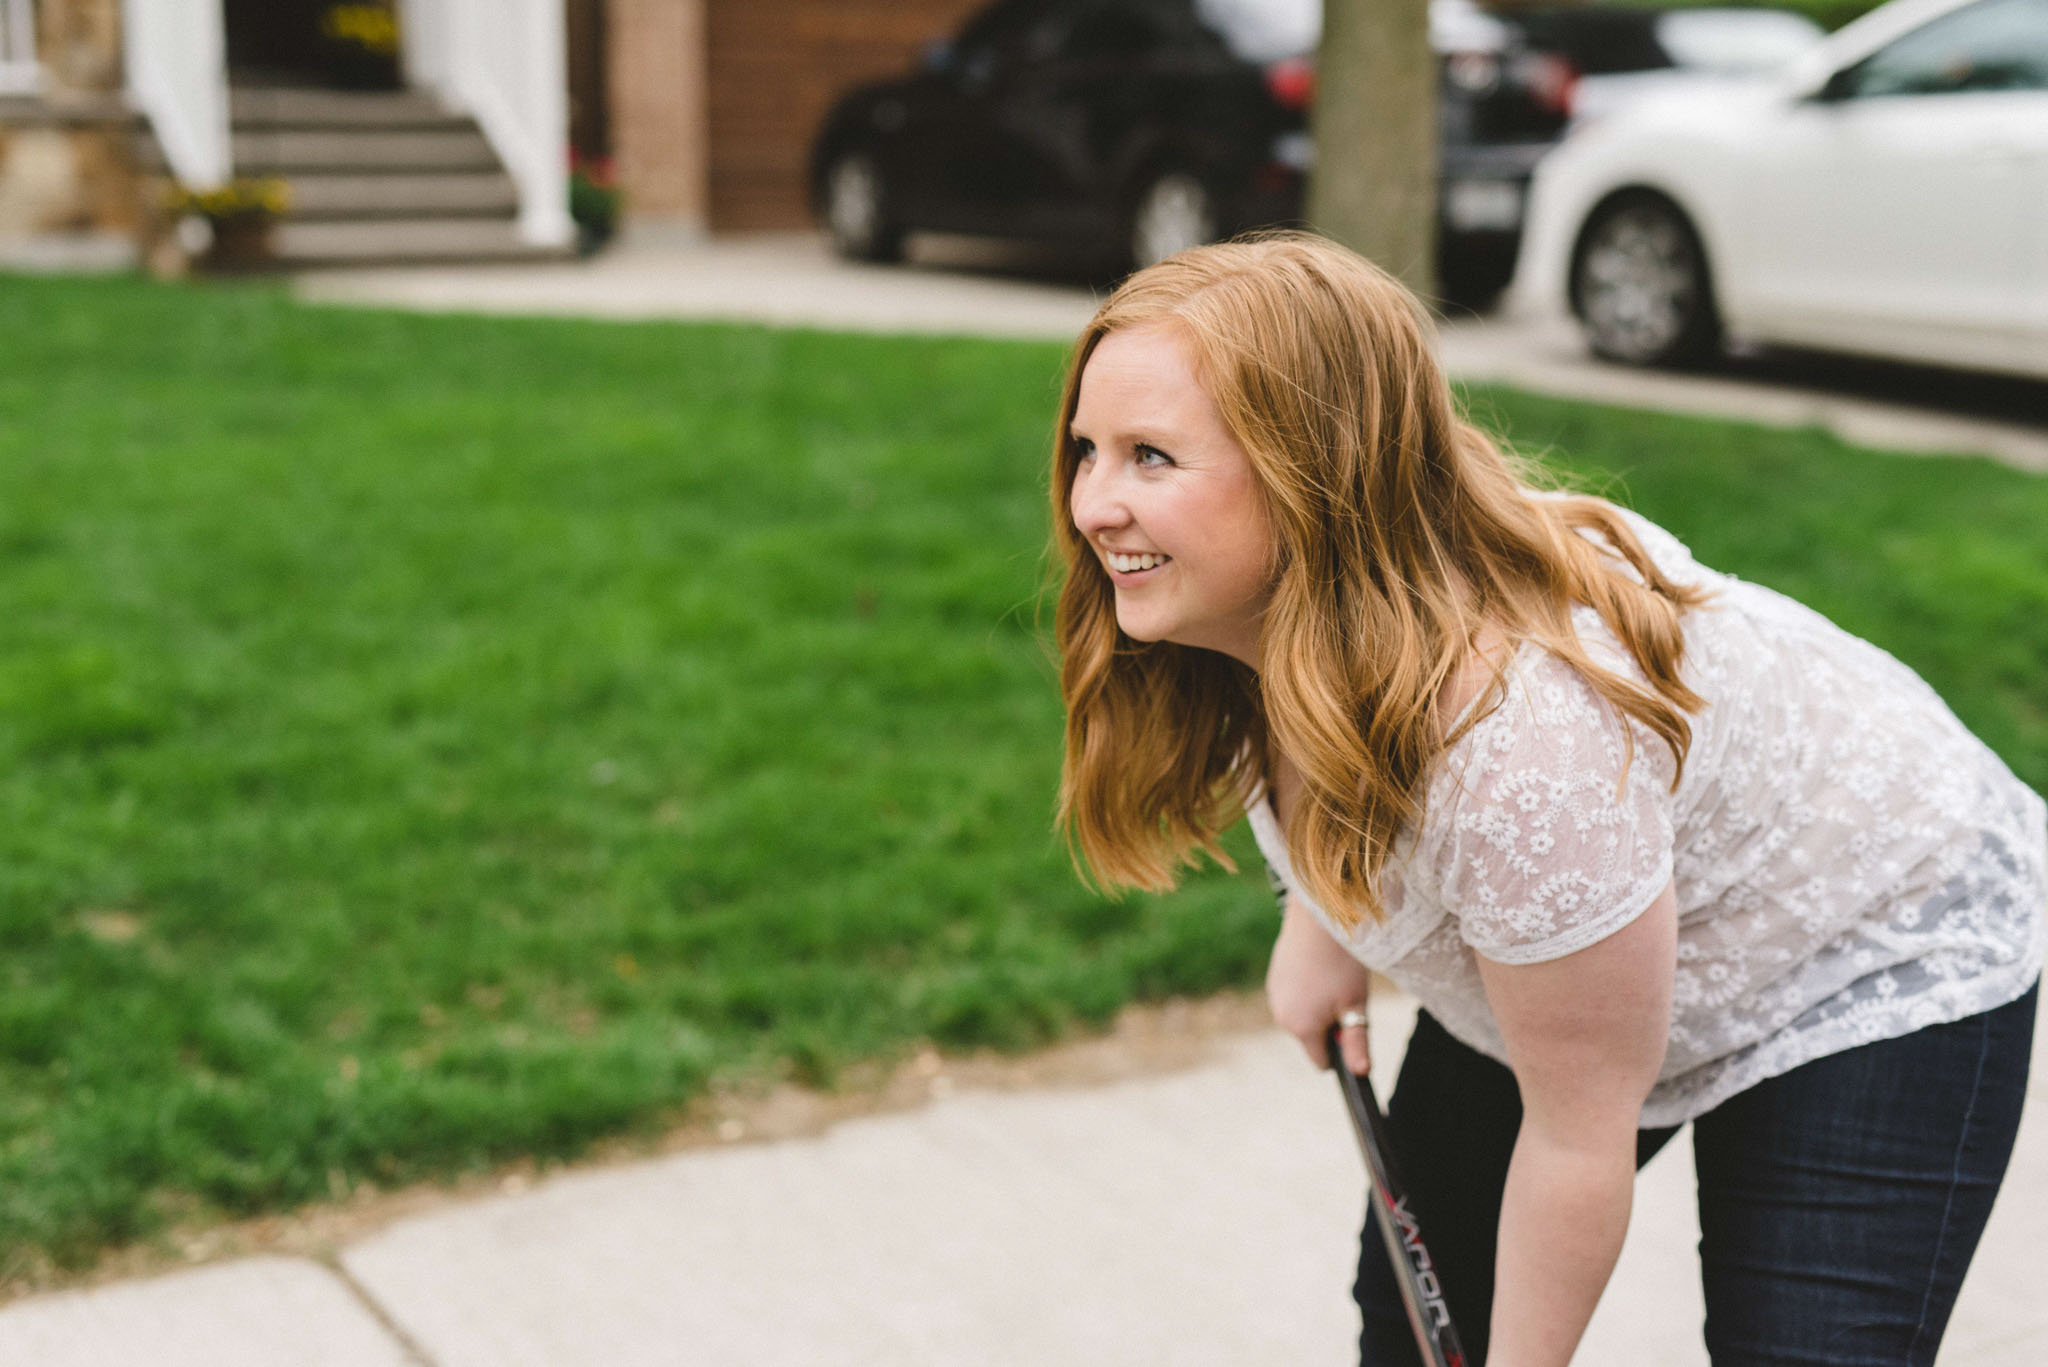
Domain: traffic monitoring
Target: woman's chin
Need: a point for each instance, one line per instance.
(1138, 629)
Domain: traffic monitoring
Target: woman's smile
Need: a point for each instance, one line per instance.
(1132, 569)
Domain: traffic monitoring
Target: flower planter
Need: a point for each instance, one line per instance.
(241, 243)
(593, 201)
(242, 216)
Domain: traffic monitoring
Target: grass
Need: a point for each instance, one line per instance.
(425, 741)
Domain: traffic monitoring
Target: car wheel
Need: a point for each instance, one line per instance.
(857, 210)
(1172, 212)
(1640, 285)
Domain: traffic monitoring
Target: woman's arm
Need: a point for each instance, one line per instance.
(1586, 1035)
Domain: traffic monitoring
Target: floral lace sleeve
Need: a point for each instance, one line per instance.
(1530, 837)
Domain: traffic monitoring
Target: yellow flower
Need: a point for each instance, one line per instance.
(373, 28)
(266, 195)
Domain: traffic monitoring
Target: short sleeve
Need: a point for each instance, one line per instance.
(1531, 838)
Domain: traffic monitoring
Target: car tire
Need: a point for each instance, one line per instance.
(1171, 211)
(857, 210)
(1640, 285)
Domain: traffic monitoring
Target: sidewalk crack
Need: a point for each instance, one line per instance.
(415, 1355)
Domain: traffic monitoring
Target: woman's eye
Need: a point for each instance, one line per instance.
(1152, 456)
(1083, 448)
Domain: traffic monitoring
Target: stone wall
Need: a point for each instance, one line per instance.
(69, 176)
(68, 163)
(78, 43)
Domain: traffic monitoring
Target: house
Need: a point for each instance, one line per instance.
(424, 129)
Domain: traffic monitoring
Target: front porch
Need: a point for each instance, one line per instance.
(407, 129)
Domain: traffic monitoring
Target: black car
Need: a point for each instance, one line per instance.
(1132, 128)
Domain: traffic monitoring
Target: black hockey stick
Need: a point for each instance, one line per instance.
(1416, 1275)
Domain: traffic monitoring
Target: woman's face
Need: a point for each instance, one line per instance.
(1167, 498)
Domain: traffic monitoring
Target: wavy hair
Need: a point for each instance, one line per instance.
(1400, 530)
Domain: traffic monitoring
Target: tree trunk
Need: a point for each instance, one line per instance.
(1374, 187)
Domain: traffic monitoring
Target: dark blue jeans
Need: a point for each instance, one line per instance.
(1839, 1202)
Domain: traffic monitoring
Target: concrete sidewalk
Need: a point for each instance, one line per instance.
(1201, 1216)
(785, 279)
(967, 287)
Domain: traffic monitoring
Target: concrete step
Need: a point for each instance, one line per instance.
(288, 107)
(380, 241)
(297, 152)
(372, 195)
(377, 178)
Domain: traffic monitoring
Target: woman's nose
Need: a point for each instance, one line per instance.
(1094, 503)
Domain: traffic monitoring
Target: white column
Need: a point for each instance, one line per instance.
(425, 44)
(18, 69)
(544, 196)
(176, 53)
(508, 69)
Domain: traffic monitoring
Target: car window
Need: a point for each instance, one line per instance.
(1007, 35)
(1991, 45)
(1113, 33)
(1736, 42)
(1597, 42)
(995, 26)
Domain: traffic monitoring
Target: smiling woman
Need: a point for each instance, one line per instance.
(1166, 496)
(1649, 845)
(1268, 414)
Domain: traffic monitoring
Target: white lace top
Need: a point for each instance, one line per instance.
(1850, 863)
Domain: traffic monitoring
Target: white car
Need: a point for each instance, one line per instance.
(1888, 196)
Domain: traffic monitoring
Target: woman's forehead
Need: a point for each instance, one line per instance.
(1143, 376)
(1162, 347)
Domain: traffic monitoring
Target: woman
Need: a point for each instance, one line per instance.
(1649, 845)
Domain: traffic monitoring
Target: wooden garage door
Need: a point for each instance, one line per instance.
(776, 66)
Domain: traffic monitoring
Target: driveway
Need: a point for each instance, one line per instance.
(956, 285)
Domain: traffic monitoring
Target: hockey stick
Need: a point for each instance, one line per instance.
(1421, 1292)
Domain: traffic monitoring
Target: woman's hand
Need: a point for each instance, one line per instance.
(1311, 981)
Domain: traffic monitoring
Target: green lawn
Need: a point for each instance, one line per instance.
(430, 740)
